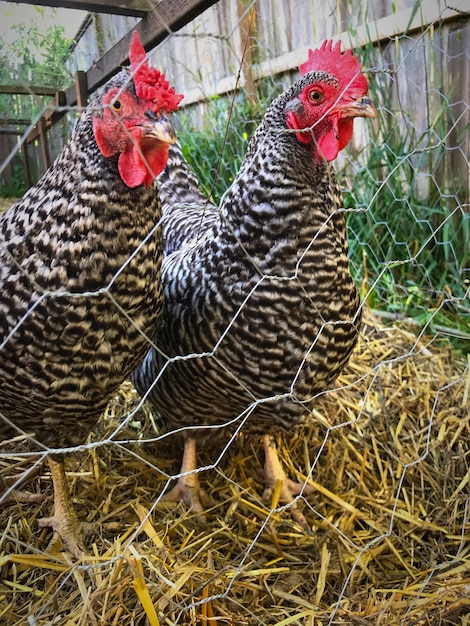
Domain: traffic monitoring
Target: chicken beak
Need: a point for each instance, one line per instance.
(161, 129)
(362, 107)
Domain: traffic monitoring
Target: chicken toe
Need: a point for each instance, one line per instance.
(274, 472)
(187, 487)
(64, 522)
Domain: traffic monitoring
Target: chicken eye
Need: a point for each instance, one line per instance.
(315, 96)
(116, 105)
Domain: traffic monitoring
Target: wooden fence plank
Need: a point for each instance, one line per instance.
(384, 29)
(168, 16)
(28, 90)
(137, 8)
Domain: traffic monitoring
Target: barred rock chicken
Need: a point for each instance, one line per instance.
(80, 273)
(188, 213)
(260, 308)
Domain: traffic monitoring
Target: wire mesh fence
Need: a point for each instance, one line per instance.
(382, 456)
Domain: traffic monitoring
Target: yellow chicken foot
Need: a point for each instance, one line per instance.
(274, 472)
(65, 522)
(187, 487)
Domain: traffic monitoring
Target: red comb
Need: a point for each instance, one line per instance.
(328, 58)
(150, 83)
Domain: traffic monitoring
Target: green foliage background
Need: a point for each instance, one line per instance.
(36, 57)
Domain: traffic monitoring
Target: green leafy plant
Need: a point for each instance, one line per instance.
(35, 58)
(408, 232)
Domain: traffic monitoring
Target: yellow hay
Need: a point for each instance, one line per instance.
(387, 453)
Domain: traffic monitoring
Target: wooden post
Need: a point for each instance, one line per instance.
(46, 157)
(247, 27)
(81, 88)
(26, 169)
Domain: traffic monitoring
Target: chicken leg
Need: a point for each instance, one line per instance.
(187, 487)
(273, 472)
(64, 522)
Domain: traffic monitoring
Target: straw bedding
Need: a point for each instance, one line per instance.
(388, 454)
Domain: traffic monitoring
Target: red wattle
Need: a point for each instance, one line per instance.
(133, 171)
(328, 145)
(136, 170)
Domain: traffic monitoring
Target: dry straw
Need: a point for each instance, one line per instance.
(388, 455)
